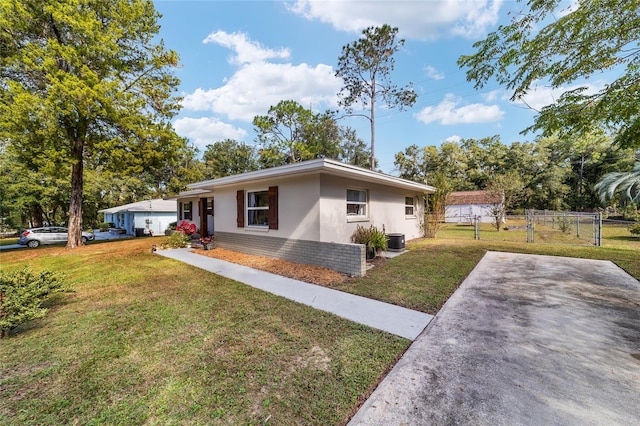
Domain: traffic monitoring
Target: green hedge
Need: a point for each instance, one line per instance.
(22, 294)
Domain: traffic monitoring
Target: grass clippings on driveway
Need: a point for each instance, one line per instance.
(146, 339)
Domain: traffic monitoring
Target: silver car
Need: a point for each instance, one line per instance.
(49, 235)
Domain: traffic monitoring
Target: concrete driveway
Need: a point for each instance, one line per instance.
(526, 340)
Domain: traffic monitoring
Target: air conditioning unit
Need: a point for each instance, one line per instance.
(396, 242)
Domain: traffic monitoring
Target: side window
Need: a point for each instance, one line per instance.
(186, 211)
(258, 208)
(409, 206)
(357, 203)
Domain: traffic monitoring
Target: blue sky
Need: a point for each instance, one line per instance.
(238, 58)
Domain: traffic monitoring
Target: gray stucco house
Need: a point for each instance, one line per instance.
(304, 212)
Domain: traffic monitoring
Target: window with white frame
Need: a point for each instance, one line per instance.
(258, 208)
(409, 206)
(356, 203)
(186, 210)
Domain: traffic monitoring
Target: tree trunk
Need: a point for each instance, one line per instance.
(372, 122)
(36, 215)
(580, 205)
(75, 204)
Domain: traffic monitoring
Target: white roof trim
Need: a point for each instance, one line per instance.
(151, 206)
(321, 165)
(190, 193)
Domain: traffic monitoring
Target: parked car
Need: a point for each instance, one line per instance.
(49, 235)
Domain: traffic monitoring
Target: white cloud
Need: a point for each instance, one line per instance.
(206, 130)
(453, 138)
(449, 112)
(540, 96)
(493, 95)
(479, 16)
(433, 73)
(246, 50)
(257, 86)
(416, 19)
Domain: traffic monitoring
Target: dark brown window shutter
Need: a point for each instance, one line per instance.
(240, 209)
(190, 210)
(180, 212)
(273, 207)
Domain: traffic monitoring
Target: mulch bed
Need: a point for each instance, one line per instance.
(308, 273)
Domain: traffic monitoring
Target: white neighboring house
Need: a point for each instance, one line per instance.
(464, 206)
(304, 212)
(147, 216)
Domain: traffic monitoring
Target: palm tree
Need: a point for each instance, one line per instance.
(625, 183)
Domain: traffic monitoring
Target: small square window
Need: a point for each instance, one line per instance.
(356, 203)
(409, 206)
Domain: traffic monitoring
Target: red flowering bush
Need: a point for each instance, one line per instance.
(186, 227)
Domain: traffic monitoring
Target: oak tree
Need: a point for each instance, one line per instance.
(228, 157)
(85, 83)
(280, 133)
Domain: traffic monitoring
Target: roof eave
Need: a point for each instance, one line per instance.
(310, 167)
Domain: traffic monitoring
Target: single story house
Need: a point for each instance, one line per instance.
(148, 216)
(304, 212)
(465, 206)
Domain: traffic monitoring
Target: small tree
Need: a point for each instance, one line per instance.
(22, 294)
(505, 190)
(436, 206)
(497, 213)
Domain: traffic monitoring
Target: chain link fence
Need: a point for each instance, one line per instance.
(535, 226)
(564, 227)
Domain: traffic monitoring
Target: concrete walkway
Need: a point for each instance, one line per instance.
(383, 316)
(525, 340)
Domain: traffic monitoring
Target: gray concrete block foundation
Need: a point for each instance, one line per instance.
(345, 258)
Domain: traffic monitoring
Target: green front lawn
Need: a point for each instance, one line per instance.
(146, 339)
(425, 277)
(9, 241)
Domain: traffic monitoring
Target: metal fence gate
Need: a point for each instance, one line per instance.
(564, 227)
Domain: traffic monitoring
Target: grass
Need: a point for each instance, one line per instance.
(8, 241)
(149, 340)
(425, 277)
(145, 339)
(422, 279)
